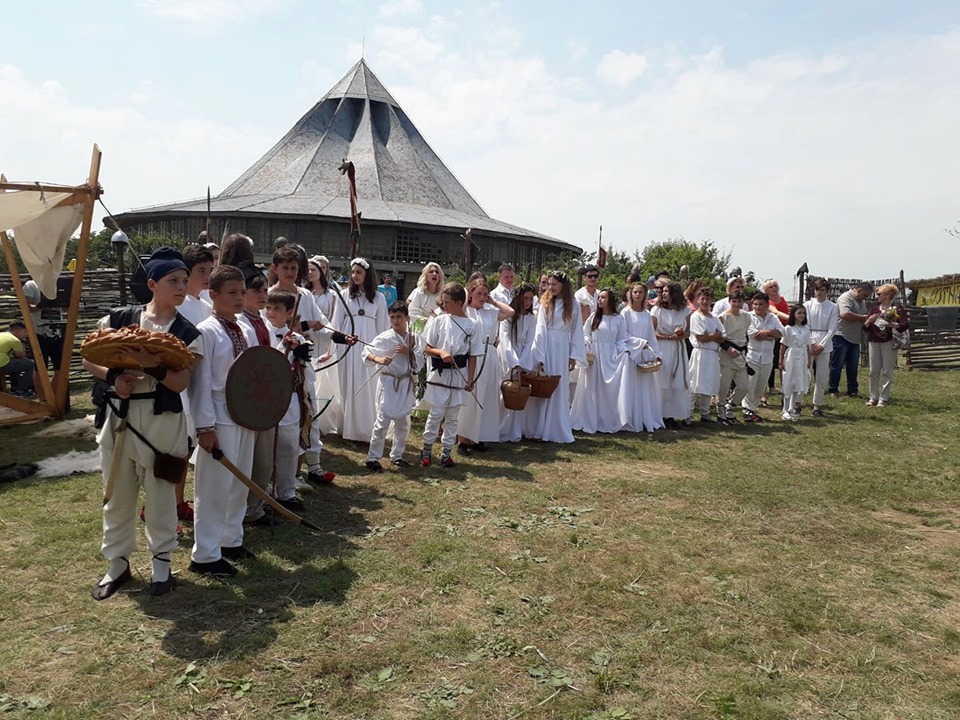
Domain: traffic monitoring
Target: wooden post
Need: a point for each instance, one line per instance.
(73, 312)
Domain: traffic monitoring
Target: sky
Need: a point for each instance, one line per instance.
(783, 132)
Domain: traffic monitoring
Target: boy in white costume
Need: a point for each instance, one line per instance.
(733, 359)
(397, 351)
(822, 317)
(151, 403)
(453, 346)
(763, 332)
(278, 312)
(706, 334)
(220, 500)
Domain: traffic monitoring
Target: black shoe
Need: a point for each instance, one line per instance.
(400, 463)
(374, 466)
(480, 447)
(818, 413)
(464, 449)
(686, 423)
(268, 519)
(707, 419)
(294, 503)
(102, 592)
(237, 553)
(853, 395)
(217, 568)
(162, 588)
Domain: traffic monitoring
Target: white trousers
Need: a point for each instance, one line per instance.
(883, 361)
(262, 471)
(220, 499)
(703, 401)
(401, 429)
(757, 385)
(288, 460)
(450, 416)
(120, 514)
(821, 376)
(731, 376)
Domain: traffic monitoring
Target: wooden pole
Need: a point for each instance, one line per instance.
(28, 321)
(73, 312)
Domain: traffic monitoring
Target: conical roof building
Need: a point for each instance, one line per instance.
(413, 208)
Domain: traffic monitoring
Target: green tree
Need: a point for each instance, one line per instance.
(705, 261)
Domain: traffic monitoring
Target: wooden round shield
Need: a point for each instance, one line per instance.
(259, 388)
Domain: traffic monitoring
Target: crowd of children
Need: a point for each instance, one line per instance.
(654, 357)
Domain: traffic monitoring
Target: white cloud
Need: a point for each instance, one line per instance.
(620, 68)
(208, 16)
(399, 8)
(577, 47)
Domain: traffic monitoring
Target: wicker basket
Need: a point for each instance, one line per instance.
(515, 393)
(650, 367)
(541, 386)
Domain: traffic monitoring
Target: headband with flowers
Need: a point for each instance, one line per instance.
(361, 262)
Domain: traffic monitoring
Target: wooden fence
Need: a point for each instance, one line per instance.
(101, 292)
(934, 338)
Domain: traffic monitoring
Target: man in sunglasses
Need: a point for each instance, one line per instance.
(587, 296)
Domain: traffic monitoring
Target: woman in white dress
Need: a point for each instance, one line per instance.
(369, 311)
(595, 402)
(558, 346)
(328, 381)
(516, 354)
(640, 401)
(671, 320)
(477, 425)
(423, 303)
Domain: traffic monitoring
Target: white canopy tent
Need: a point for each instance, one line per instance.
(43, 218)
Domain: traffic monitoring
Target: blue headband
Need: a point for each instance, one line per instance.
(164, 261)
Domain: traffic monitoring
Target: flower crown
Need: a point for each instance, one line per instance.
(560, 275)
(362, 262)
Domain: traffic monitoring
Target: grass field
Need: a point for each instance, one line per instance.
(772, 571)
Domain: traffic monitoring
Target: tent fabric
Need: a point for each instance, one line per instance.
(41, 231)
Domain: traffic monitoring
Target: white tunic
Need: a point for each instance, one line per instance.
(673, 377)
(516, 353)
(596, 401)
(796, 370)
(501, 293)
(196, 310)
(458, 336)
(555, 343)
(822, 319)
(705, 358)
(395, 382)
(208, 379)
(760, 352)
(422, 305)
(476, 424)
(640, 401)
(359, 409)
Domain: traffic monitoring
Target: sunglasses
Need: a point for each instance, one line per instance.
(592, 276)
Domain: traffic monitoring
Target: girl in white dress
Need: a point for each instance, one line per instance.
(558, 346)
(479, 426)
(640, 401)
(596, 400)
(671, 320)
(795, 360)
(369, 311)
(328, 381)
(706, 334)
(516, 353)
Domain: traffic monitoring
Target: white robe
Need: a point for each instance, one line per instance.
(796, 371)
(555, 343)
(673, 377)
(704, 361)
(596, 401)
(395, 385)
(359, 410)
(327, 384)
(476, 424)
(516, 353)
(640, 401)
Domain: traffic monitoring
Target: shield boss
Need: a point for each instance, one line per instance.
(259, 388)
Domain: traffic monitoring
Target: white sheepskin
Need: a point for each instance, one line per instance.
(69, 463)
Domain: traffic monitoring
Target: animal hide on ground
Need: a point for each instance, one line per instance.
(70, 463)
(82, 429)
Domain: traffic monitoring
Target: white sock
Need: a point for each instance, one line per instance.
(115, 569)
(161, 567)
(313, 461)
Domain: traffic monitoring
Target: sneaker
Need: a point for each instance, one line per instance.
(464, 449)
(217, 568)
(447, 461)
(300, 485)
(687, 422)
(237, 553)
(400, 463)
(817, 412)
(751, 417)
(294, 503)
(185, 512)
(881, 403)
(320, 477)
(374, 466)
(480, 447)
(789, 417)
(798, 410)
(853, 395)
(871, 402)
(707, 419)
